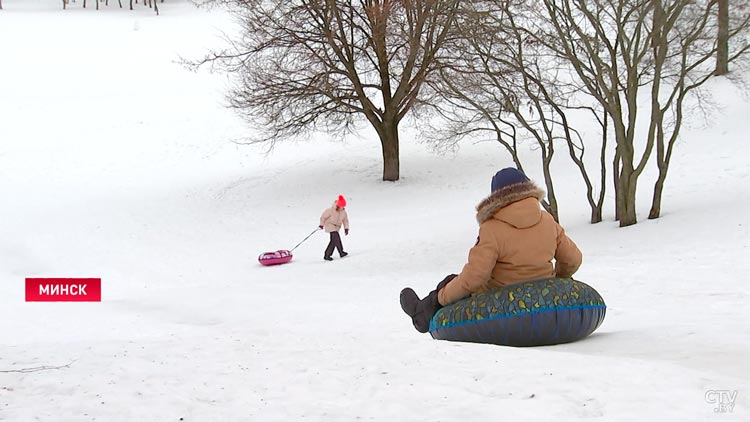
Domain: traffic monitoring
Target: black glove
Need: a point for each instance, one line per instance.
(320, 227)
(346, 232)
(445, 281)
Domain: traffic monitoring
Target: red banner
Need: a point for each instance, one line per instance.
(63, 289)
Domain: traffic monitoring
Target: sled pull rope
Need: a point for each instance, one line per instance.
(303, 240)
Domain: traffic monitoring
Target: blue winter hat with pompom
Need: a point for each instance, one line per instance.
(506, 177)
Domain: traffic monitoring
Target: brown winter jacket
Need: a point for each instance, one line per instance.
(332, 219)
(517, 242)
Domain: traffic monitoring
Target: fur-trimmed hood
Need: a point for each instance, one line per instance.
(506, 196)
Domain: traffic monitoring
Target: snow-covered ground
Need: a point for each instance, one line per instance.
(116, 162)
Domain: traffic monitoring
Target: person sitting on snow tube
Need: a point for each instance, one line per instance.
(517, 242)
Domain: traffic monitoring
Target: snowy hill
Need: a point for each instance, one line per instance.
(116, 162)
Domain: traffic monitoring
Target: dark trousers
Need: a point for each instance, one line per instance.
(334, 243)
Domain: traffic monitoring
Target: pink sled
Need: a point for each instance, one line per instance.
(275, 258)
(282, 256)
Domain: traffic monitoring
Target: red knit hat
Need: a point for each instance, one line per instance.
(341, 202)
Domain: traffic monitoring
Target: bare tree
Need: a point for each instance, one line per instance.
(615, 48)
(684, 52)
(553, 97)
(604, 57)
(482, 85)
(323, 64)
(605, 43)
(500, 81)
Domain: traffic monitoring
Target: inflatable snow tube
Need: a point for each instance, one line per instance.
(275, 258)
(532, 313)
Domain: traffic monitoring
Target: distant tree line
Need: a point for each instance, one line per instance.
(150, 3)
(153, 4)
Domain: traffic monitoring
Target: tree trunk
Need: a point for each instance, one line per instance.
(722, 41)
(389, 142)
(626, 195)
(596, 212)
(552, 204)
(596, 215)
(656, 202)
(626, 182)
(616, 177)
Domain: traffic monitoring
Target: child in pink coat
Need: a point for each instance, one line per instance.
(331, 221)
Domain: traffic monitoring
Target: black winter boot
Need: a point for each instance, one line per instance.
(420, 311)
